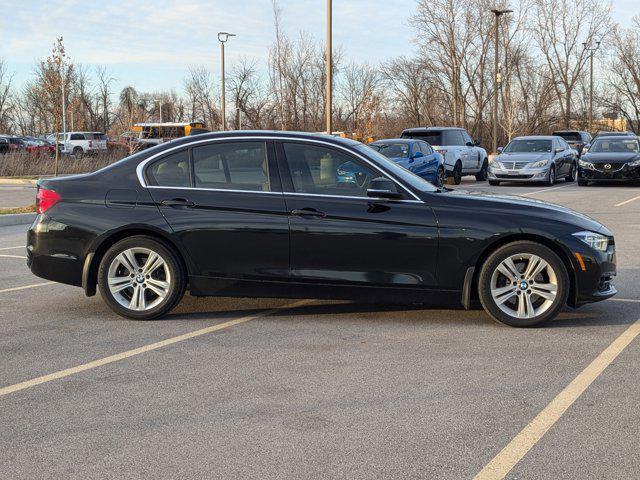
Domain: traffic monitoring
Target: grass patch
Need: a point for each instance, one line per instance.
(26, 166)
(8, 211)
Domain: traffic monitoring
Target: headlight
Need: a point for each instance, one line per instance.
(594, 240)
(584, 164)
(540, 163)
(635, 163)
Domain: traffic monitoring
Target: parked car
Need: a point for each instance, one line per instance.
(462, 155)
(264, 214)
(611, 159)
(16, 144)
(417, 156)
(575, 138)
(534, 159)
(80, 143)
(39, 146)
(4, 145)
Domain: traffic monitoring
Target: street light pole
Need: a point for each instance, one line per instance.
(222, 38)
(497, 80)
(329, 71)
(591, 50)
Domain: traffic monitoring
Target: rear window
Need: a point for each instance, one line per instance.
(569, 136)
(431, 137)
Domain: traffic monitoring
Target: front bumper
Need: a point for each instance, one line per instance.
(522, 175)
(594, 271)
(617, 173)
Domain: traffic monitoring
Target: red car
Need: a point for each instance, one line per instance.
(39, 146)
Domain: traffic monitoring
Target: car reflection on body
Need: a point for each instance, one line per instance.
(611, 159)
(534, 159)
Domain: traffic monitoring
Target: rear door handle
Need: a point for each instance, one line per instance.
(308, 212)
(178, 202)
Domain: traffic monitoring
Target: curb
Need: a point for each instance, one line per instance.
(17, 181)
(17, 219)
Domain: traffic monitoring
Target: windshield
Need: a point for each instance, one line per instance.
(405, 175)
(610, 145)
(528, 146)
(392, 150)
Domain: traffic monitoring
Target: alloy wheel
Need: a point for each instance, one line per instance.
(139, 279)
(524, 286)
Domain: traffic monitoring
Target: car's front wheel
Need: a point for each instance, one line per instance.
(572, 173)
(141, 278)
(441, 176)
(523, 284)
(551, 176)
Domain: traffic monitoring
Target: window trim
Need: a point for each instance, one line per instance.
(141, 167)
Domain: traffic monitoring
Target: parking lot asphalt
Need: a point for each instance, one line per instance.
(323, 389)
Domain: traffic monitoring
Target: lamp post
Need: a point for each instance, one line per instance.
(591, 50)
(497, 80)
(329, 71)
(222, 38)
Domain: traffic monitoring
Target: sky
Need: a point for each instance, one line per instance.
(151, 44)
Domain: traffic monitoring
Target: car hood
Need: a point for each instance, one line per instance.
(523, 157)
(545, 211)
(611, 157)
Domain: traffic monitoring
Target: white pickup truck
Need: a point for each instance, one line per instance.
(462, 155)
(80, 143)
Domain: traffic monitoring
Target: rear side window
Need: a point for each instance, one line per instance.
(232, 166)
(170, 171)
(77, 136)
(453, 137)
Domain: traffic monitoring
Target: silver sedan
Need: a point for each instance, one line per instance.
(534, 159)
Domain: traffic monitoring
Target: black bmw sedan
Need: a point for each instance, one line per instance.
(271, 214)
(611, 159)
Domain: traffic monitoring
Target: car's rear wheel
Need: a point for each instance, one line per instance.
(582, 182)
(481, 176)
(456, 175)
(523, 284)
(494, 183)
(77, 152)
(441, 176)
(572, 174)
(141, 278)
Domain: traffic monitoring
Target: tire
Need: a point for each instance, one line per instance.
(495, 183)
(456, 175)
(481, 176)
(77, 152)
(551, 178)
(441, 176)
(582, 182)
(158, 291)
(507, 303)
(572, 173)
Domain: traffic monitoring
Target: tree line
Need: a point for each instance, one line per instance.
(447, 80)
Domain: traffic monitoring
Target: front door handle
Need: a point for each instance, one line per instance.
(178, 202)
(308, 212)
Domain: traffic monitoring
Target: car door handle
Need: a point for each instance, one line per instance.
(178, 202)
(308, 212)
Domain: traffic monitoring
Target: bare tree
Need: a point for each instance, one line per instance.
(6, 105)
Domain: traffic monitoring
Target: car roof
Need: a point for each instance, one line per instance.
(430, 129)
(535, 137)
(399, 140)
(569, 131)
(617, 137)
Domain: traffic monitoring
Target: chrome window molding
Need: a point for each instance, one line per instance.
(142, 165)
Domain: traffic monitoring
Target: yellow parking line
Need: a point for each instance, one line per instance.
(24, 287)
(627, 201)
(13, 256)
(12, 248)
(510, 455)
(144, 349)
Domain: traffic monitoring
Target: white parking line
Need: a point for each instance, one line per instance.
(630, 300)
(544, 190)
(12, 248)
(13, 256)
(144, 349)
(25, 287)
(509, 456)
(627, 201)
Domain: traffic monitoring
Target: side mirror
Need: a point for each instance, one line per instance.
(500, 149)
(418, 155)
(470, 144)
(559, 150)
(476, 142)
(383, 188)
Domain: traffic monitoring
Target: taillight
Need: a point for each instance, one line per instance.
(45, 199)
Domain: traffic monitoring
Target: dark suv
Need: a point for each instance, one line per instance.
(575, 138)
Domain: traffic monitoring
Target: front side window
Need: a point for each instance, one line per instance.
(325, 171)
(170, 171)
(232, 166)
